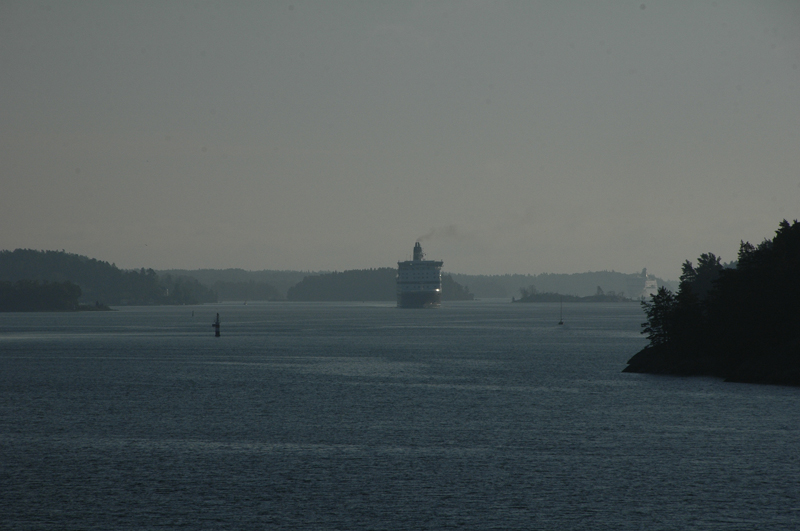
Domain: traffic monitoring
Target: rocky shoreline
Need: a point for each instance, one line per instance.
(782, 368)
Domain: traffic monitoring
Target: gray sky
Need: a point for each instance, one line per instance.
(512, 137)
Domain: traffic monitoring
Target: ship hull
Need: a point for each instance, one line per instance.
(419, 299)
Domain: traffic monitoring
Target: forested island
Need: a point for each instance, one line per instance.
(102, 283)
(531, 294)
(740, 323)
(34, 296)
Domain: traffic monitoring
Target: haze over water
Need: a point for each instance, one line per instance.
(363, 416)
(514, 137)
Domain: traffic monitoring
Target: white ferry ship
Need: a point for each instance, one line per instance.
(419, 281)
(650, 288)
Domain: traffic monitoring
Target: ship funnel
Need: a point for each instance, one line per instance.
(418, 254)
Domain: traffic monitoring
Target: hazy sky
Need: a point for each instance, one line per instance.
(512, 137)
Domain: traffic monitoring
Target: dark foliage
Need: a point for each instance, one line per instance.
(453, 291)
(35, 296)
(100, 281)
(659, 311)
(740, 323)
(352, 285)
(184, 290)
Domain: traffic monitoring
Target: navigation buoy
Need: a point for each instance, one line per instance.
(215, 324)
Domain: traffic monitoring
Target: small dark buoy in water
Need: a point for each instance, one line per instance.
(215, 324)
(561, 316)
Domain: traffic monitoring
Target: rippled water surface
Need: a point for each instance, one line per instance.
(362, 416)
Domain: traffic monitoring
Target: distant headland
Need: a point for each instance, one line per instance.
(60, 281)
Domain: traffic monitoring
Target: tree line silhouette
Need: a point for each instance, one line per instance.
(100, 281)
(740, 322)
(35, 296)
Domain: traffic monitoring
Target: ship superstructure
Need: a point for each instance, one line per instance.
(650, 285)
(650, 288)
(419, 281)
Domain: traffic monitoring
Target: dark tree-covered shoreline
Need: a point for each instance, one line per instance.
(740, 323)
(35, 296)
(101, 282)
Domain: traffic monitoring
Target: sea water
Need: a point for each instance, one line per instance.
(478, 415)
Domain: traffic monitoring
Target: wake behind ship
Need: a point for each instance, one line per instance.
(419, 281)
